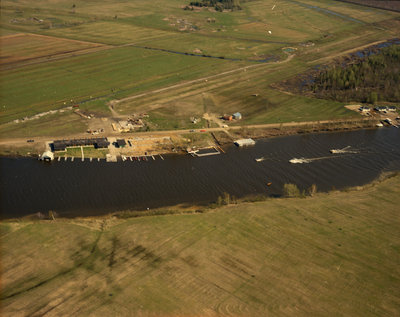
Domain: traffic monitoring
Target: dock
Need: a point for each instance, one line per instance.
(205, 152)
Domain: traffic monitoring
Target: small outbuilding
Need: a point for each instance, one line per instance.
(237, 116)
(120, 143)
(244, 142)
(364, 109)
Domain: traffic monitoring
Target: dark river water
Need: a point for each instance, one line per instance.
(93, 188)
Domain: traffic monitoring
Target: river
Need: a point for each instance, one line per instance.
(94, 188)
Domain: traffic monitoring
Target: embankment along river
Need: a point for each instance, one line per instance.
(94, 188)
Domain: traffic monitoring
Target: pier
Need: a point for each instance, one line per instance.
(205, 152)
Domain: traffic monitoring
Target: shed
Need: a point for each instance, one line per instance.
(237, 116)
(364, 109)
(121, 142)
(244, 142)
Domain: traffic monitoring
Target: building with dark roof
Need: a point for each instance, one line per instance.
(120, 143)
(61, 145)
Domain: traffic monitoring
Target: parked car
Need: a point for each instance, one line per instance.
(30, 141)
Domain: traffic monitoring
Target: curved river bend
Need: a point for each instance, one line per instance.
(93, 188)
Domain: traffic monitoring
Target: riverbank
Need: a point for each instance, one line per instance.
(29, 186)
(224, 200)
(306, 254)
(286, 129)
(182, 139)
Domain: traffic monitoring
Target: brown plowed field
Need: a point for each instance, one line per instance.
(22, 48)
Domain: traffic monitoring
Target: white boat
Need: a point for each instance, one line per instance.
(299, 160)
(344, 150)
(335, 151)
(260, 159)
(123, 158)
(379, 125)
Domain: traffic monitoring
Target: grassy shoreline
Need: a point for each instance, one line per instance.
(279, 256)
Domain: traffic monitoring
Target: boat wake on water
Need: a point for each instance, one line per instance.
(303, 160)
(344, 150)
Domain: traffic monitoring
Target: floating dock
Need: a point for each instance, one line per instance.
(205, 152)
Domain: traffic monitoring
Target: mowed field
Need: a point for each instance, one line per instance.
(99, 51)
(331, 254)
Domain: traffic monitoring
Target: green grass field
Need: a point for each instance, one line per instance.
(111, 70)
(334, 253)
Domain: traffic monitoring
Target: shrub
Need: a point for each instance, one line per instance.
(312, 190)
(291, 190)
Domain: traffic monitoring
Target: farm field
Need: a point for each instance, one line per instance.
(306, 255)
(23, 47)
(96, 52)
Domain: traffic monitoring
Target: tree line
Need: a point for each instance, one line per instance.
(219, 5)
(374, 78)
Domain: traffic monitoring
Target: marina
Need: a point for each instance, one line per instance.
(30, 186)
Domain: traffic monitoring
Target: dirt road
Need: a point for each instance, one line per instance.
(18, 142)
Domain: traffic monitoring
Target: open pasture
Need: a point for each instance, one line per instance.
(116, 72)
(112, 32)
(336, 253)
(28, 47)
(247, 91)
(331, 27)
(54, 125)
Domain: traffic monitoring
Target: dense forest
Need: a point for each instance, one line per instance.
(373, 78)
(219, 5)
